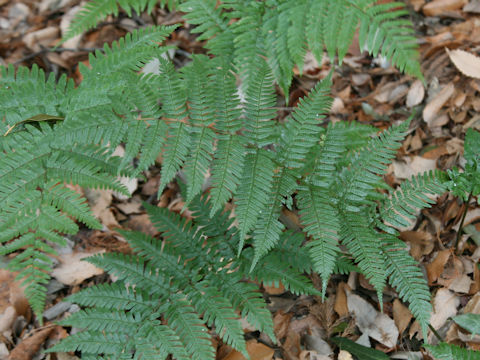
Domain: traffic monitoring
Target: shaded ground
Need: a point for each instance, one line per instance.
(365, 89)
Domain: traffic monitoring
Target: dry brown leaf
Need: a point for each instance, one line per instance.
(467, 63)
(461, 284)
(438, 7)
(401, 315)
(436, 267)
(7, 319)
(376, 324)
(30, 346)
(256, 350)
(415, 94)
(281, 322)
(430, 112)
(100, 201)
(341, 307)
(142, 223)
(73, 271)
(421, 242)
(412, 166)
(11, 293)
(473, 6)
(274, 290)
(445, 305)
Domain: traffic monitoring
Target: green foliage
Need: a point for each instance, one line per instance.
(470, 322)
(360, 351)
(172, 289)
(333, 175)
(283, 30)
(56, 134)
(446, 351)
(467, 183)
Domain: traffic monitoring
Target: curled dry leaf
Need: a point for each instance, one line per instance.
(73, 271)
(436, 267)
(415, 94)
(430, 112)
(378, 325)
(445, 305)
(27, 349)
(412, 166)
(467, 63)
(438, 7)
(401, 315)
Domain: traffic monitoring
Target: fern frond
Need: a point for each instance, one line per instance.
(371, 162)
(411, 195)
(229, 157)
(362, 242)
(174, 109)
(302, 130)
(97, 10)
(385, 26)
(211, 23)
(190, 328)
(268, 228)
(252, 194)
(271, 270)
(406, 277)
(445, 351)
(246, 298)
(201, 114)
(322, 222)
(259, 106)
(218, 311)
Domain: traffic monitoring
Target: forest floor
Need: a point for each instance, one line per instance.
(364, 89)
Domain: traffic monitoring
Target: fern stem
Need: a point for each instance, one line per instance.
(459, 232)
(435, 332)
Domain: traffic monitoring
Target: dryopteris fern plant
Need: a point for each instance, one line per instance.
(283, 30)
(56, 134)
(173, 287)
(196, 118)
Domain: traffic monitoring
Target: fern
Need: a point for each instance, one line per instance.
(284, 30)
(446, 351)
(61, 139)
(200, 276)
(185, 285)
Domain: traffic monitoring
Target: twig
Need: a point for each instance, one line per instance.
(437, 335)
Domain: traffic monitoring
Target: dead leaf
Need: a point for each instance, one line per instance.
(461, 284)
(378, 325)
(11, 293)
(412, 166)
(415, 94)
(281, 322)
(421, 242)
(73, 271)
(473, 6)
(467, 63)
(344, 355)
(445, 305)
(436, 267)
(438, 7)
(274, 290)
(142, 223)
(401, 315)
(430, 112)
(256, 350)
(100, 201)
(30, 346)
(341, 307)
(7, 319)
